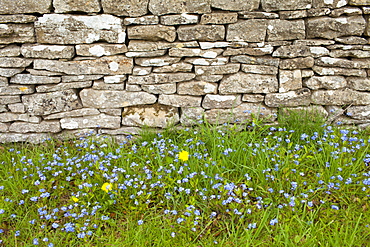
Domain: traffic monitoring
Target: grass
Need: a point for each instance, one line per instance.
(299, 183)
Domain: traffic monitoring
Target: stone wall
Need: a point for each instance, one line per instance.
(110, 66)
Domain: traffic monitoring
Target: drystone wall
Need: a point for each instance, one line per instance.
(111, 66)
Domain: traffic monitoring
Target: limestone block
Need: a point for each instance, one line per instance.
(10, 51)
(263, 60)
(44, 126)
(235, 5)
(182, 19)
(191, 115)
(259, 69)
(292, 51)
(350, 53)
(359, 2)
(160, 78)
(139, 45)
(11, 62)
(307, 73)
(212, 101)
(346, 11)
(329, 4)
(74, 113)
(156, 53)
(139, 70)
(61, 29)
(217, 69)
(248, 83)
(179, 100)
(17, 18)
(285, 30)
(100, 85)
(259, 51)
(114, 99)
(152, 32)
(98, 50)
(194, 52)
(156, 62)
(11, 117)
(3, 108)
(3, 127)
(152, 116)
(289, 80)
(326, 82)
(173, 68)
(133, 88)
(317, 51)
(43, 72)
(293, 14)
(330, 28)
(30, 138)
(144, 20)
(74, 78)
(299, 97)
(113, 112)
(318, 12)
(32, 79)
(25, 6)
(125, 7)
(112, 65)
(15, 90)
(47, 51)
(167, 88)
(257, 15)
(340, 97)
(196, 88)
(297, 63)
(162, 7)
(352, 40)
(219, 18)
(63, 86)
(4, 100)
(16, 33)
(253, 98)
(201, 33)
(99, 121)
(359, 112)
(343, 63)
(9, 72)
(273, 5)
(65, 6)
(253, 30)
(115, 79)
(358, 83)
(3, 81)
(339, 71)
(209, 78)
(211, 45)
(207, 61)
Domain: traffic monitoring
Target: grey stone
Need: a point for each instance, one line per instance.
(359, 112)
(330, 4)
(340, 97)
(259, 69)
(3, 81)
(99, 121)
(285, 30)
(191, 115)
(330, 28)
(74, 113)
(293, 14)
(61, 29)
(125, 7)
(352, 40)
(133, 88)
(152, 32)
(292, 51)
(63, 86)
(313, 42)
(139, 45)
(249, 51)
(359, 2)
(318, 12)
(201, 33)
(10, 51)
(156, 53)
(15, 90)
(219, 18)
(100, 85)
(152, 116)
(11, 62)
(110, 65)
(144, 20)
(25, 6)
(253, 30)
(115, 79)
(253, 98)
(44, 126)
(113, 112)
(343, 63)
(210, 78)
(194, 52)
(326, 82)
(248, 83)
(157, 62)
(297, 63)
(65, 6)
(32, 79)
(182, 19)
(47, 51)
(4, 100)
(196, 88)
(299, 97)
(37, 72)
(114, 99)
(346, 11)
(207, 61)
(350, 53)
(257, 15)
(273, 5)
(173, 68)
(139, 70)
(289, 80)
(317, 51)
(179, 100)
(213, 101)
(3, 108)
(307, 73)
(98, 50)
(162, 7)
(358, 83)
(17, 18)
(263, 60)
(48, 103)
(220, 44)
(217, 69)
(30, 138)
(75, 78)
(16, 33)
(11, 117)
(339, 71)
(3, 127)
(167, 88)
(160, 78)
(235, 5)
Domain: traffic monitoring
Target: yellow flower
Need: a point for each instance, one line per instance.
(107, 187)
(75, 199)
(183, 155)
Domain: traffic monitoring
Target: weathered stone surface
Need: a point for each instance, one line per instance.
(249, 30)
(257, 15)
(74, 113)
(112, 111)
(209, 78)
(212, 101)
(16, 33)
(98, 50)
(133, 88)
(259, 69)
(248, 83)
(207, 61)
(114, 99)
(351, 40)
(318, 12)
(11, 62)
(15, 90)
(144, 20)
(152, 116)
(359, 112)
(346, 11)
(220, 44)
(191, 115)
(74, 78)
(98, 121)
(8, 72)
(156, 53)
(3, 81)
(249, 51)
(217, 69)
(25, 6)
(4, 100)
(350, 53)
(63, 86)
(162, 7)
(31, 138)
(10, 51)
(125, 7)
(179, 100)
(115, 79)
(297, 63)
(201, 33)
(157, 62)
(289, 80)
(339, 71)
(43, 72)
(235, 5)
(3, 127)
(293, 14)
(264, 60)
(326, 82)
(285, 30)
(44, 126)
(173, 68)
(340, 97)
(11, 117)
(3, 108)
(330, 28)
(313, 42)
(292, 51)
(273, 5)
(194, 52)
(65, 6)
(292, 98)
(329, 4)
(358, 83)
(359, 2)
(160, 78)
(196, 88)
(179, 19)
(47, 51)
(152, 32)
(317, 51)
(307, 73)
(112, 65)
(168, 88)
(219, 18)
(47, 103)
(32, 79)
(139, 70)
(242, 113)
(343, 63)
(61, 29)
(17, 18)
(253, 98)
(100, 85)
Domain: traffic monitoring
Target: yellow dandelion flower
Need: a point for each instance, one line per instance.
(107, 187)
(75, 199)
(183, 155)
